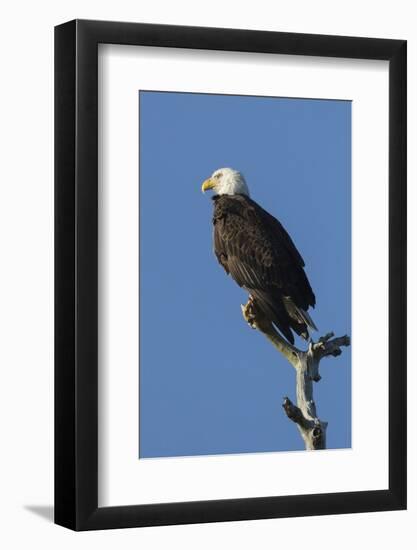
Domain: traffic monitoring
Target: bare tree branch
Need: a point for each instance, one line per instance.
(306, 364)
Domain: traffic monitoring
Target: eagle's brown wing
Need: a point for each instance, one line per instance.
(259, 254)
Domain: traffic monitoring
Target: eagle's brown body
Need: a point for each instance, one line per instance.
(254, 248)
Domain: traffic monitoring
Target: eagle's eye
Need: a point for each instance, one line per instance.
(218, 176)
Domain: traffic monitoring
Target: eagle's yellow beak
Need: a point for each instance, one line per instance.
(208, 184)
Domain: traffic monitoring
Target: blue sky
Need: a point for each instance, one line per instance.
(208, 383)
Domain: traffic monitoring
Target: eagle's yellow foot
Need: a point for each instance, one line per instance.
(249, 312)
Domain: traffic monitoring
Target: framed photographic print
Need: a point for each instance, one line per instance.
(230, 236)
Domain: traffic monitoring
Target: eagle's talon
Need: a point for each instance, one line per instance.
(248, 314)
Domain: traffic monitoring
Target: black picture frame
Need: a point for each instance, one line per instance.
(76, 272)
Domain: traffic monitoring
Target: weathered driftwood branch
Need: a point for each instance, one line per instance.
(306, 364)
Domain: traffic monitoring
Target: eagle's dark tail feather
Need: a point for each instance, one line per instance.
(307, 319)
(299, 315)
(275, 312)
(285, 315)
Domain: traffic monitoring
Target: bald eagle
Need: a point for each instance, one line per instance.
(255, 249)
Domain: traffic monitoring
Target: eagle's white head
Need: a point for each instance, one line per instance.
(226, 181)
